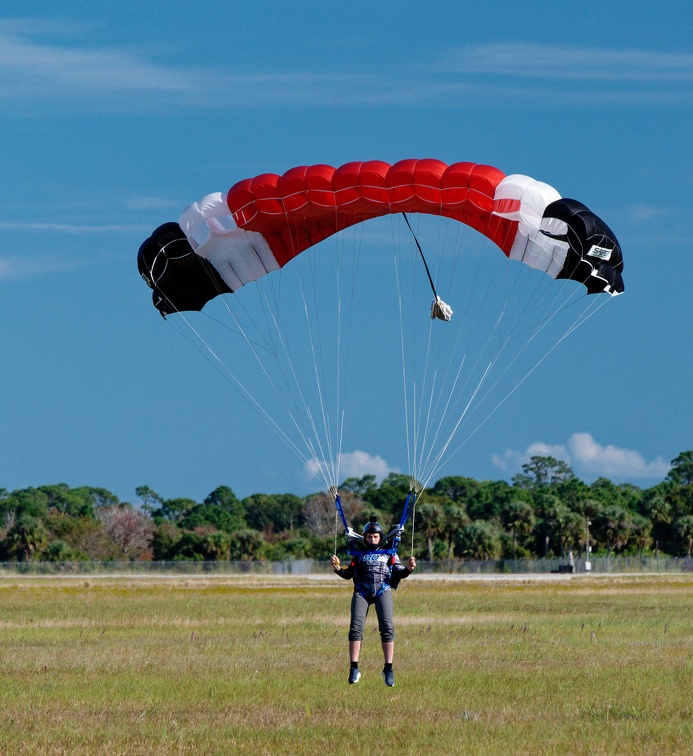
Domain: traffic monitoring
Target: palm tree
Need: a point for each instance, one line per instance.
(684, 528)
(518, 516)
(431, 523)
(27, 539)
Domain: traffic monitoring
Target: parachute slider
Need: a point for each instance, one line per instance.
(440, 310)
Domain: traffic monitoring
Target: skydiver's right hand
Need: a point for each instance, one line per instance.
(334, 561)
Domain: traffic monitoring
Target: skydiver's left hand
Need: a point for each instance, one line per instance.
(411, 563)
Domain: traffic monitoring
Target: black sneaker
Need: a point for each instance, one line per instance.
(389, 677)
(354, 675)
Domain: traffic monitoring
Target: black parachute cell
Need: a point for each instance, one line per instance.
(594, 258)
(180, 278)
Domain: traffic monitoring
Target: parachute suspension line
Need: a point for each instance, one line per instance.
(320, 444)
(415, 413)
(470, 408)
(508, 325)
(428, 413)
(344, 349)
(475, 326)
(202, 346)
(271, 313)
(443, 415)
(327, 453)
(287, 369)
(538, 328)
(434, 409)
(424, 433)
(342, 366)
(402, 350)
(438, 310)
(339, 413)
(424, 464)
(331, 454)
(312, 398)
(580, 320)
(420, 390)
(475, 366)
(422, 414)
(282, 341)
(509, 336)
(442, 244)
(262, 340)
(432, 466)
(435, 464)
(211, 356)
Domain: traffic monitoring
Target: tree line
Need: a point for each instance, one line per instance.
(546, 511)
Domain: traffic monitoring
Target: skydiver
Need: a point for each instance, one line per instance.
(375, 574)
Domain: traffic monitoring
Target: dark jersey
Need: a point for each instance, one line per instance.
(372, 575)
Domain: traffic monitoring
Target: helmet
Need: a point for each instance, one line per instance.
(372, 526)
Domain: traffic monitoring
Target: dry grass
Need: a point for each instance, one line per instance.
(239, 665)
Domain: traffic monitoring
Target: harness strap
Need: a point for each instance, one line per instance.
(395, 535)
(340, 511)
(361, 552)
(385, 586)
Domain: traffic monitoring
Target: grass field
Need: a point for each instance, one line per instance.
(582, 665)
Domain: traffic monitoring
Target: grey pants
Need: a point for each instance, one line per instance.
(359, 612)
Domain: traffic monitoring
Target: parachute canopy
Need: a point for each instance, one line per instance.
(300, 344)
(222, 243)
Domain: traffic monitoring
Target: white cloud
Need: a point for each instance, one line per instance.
(18, 268)
(42, 62)
(153, 203)
(35, 70)
(24, 58)
(69, 228)
(588, 459)
(37, 263)
(651, 212)
(611, 461)
(565, 62)
(511, 461)
(353, 465)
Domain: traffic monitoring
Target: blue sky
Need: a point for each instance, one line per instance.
(114, 119)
